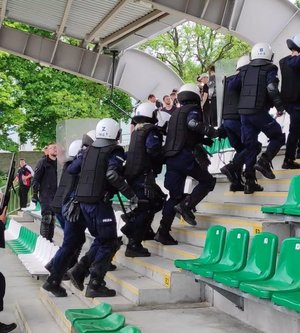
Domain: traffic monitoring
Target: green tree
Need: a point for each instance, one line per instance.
(42, 96)
(190, 49)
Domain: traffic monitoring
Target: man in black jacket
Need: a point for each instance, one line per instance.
(4, 328)
(44, 188)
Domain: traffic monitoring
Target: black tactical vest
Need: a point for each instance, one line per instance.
(179, 136)
(92, 184)
(138, 161)
(230, 101)
(67, 184)
(254, 95)
(290, 86)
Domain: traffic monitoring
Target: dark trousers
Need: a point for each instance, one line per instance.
(2, 290)
(294, 134)
(74, 238)
(252, 125)
(233, 131)
(23, 194)
(101, 222)
(178, 168)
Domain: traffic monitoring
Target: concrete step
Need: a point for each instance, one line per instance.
(231, 209)
(253, 225)
(262, 198)
(190, 235)
(33, 317)
(180, 251)
(156, 268)
(144, 291)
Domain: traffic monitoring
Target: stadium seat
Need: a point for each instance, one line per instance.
(287, 274)
(260, 264)
(111, 323)
(129, 329)
(25, 243)
(290, 300)
(292, 200)
(13, 230)
(99, 312)
(234, 256)
(212, 252)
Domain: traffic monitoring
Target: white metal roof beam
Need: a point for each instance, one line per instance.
(130, 28)
(61, 27)
(109, 17)
(3, 11)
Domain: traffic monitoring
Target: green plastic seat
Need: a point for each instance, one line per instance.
(290, 300)
(129, 329)
(115, 199)
(37, 207)
(110, 323)
(292, 210)
(234, 255)
(292, 200)
(260, 264)
(7, 222)
(100, 311)
(212, 252)
(25, 243)
(287, 274)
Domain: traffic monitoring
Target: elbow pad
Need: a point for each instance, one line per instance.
(275, 97)
(119, 183)
(202, 128)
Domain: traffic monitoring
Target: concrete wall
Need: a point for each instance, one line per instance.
(31, 158)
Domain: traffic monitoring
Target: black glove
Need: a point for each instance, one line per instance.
(35, 198)
(133, 202)
(73, 211)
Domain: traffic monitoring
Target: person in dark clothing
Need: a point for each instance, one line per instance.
(74, 236)
(100, 169)
(257, 83)
(203, 86)
(44, 187)
(24, 176)
(143, 164)
(4, 328)
(290, 93)
(212, 96)
(185, 156)
(232, 126)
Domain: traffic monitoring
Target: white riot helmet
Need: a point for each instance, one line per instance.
(74, 148)
(108, 128)
(146, 113)
(88, 138)
(262, 51)
(188, 94)
(294, 43)
(244, 60)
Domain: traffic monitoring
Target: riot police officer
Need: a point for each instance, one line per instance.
(290, 93)
(100, 177)
(185, 156)
(257, 83)
(143, 164)
(74, 236)
(232, 126)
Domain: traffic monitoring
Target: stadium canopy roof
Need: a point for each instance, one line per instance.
(106, 27)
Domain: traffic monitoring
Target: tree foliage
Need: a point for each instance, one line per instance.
(190, 49)
(34, 98)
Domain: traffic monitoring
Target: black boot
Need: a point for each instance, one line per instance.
(230, 171)
(264, 166)
(112, 267)
(251, 185)
(183, 209)
(290, 164)
(136, 249)
(96, 289)
(163, 236)
(77, 275)
(5, 328)
(54, 287)
(236, 187)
